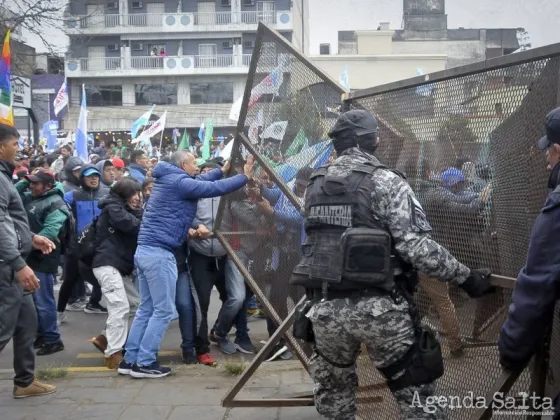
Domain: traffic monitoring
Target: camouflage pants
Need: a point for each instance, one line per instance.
(340, 327)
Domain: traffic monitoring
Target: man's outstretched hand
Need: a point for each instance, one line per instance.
(46, 246)
(248, 168)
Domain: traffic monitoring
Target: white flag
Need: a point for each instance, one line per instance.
(275, 130)
(156, 128)
(226, 151)
(236, 109)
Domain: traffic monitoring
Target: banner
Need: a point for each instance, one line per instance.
(156, 128)
(61, 99)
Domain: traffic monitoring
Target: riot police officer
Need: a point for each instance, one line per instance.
(366, 235)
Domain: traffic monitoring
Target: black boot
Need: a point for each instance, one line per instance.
(50, 348)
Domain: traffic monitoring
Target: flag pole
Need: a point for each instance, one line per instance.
(161, 142)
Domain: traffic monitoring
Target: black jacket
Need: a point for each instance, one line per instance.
(117, 234)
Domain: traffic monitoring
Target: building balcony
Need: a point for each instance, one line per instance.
(157, 66)
(177, 22)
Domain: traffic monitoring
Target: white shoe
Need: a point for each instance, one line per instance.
(60, 318)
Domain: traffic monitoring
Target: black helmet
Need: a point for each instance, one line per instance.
(357, 122)
(356, 128)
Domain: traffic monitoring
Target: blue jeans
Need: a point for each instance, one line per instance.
(235, 287)
(45, 304)
(157, 278)
(184, 305)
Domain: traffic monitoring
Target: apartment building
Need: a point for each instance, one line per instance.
(189, 57)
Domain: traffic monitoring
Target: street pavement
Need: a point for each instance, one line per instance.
(91, 391)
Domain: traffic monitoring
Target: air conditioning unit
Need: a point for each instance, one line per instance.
(137, 46)
(226, 3)
(227, 45)
(248, 2)
(137, 5)
(113, 5)
(249, 44)
(113, 47)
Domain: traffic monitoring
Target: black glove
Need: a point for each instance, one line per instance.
(511, 365)
(478, 283)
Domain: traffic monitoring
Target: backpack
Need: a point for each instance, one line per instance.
(87, 243)
(67, 235)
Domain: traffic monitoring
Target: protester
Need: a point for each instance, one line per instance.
(43, 199)
(113, 263)
(168, 217)
(18, 318)
(107, 170)
(210, 267)
(147, 187)
(119, 168)
(60, 162)
(84, 204)
(71, 174)
(139, 165)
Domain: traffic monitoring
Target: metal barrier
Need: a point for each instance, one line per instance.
(470, 131)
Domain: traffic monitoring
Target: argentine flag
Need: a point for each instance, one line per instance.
(81, 133)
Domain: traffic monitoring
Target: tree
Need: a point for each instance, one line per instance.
(524, 39)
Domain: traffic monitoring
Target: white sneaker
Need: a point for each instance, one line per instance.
(77, 306)
(60, 318)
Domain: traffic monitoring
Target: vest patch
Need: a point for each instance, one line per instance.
(331, 215)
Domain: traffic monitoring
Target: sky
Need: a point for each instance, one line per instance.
(541, 18)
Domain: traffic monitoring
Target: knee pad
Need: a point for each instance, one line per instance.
(422, 364)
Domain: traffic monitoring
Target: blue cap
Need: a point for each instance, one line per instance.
(91, 171)
(451, 177)
(552, 125)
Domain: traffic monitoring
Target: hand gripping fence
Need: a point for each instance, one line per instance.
(483, 119)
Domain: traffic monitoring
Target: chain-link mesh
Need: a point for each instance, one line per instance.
(467, 146)
(289, 114)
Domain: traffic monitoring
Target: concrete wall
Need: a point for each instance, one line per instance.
(458, 52)
(367, 71)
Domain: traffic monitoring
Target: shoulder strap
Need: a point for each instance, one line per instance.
(58, 205)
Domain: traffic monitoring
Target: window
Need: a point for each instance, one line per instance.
(104, 95)
(212, 93)
(325, 49)
(156, 94)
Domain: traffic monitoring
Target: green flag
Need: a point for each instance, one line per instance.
(184, 141)
(207, 139)
(297, 144)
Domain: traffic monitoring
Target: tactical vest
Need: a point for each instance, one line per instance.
(345, 245)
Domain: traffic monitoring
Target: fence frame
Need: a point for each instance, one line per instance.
(507, 379)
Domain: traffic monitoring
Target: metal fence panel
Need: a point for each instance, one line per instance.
(482, 120)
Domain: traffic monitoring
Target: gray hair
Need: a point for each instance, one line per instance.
(179, 157)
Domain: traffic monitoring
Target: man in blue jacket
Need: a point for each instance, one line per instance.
(537, 287)
(139, 163)
(165, 226)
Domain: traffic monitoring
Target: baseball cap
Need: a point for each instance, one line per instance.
(357, 120)
(552, 125)
(118, 163)
(451, 177)
(91, 171)
(76, 168)
(42, 175)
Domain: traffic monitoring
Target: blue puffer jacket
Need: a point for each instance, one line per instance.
(173, 203)
(84, 201)
(137, 172)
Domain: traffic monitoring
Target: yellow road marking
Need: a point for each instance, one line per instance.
(88, 369)
(100, 355)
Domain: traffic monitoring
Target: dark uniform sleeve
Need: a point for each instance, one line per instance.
(536, 291)
(396, 207)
